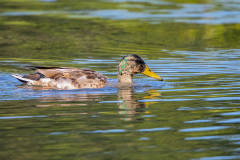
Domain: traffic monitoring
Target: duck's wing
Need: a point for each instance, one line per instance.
(79, 78)
(50, 72)
(86, 78)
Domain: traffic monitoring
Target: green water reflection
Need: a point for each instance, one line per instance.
(96, 126)
(192, 44)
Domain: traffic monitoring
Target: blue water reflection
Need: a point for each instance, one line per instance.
(188, 13)
(209, 128)
(218, 158)
(111, 131)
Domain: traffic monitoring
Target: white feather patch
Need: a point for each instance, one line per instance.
(20, 77)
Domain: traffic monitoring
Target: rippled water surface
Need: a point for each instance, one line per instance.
(193, 114)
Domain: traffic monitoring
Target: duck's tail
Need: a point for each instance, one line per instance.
(22, 79)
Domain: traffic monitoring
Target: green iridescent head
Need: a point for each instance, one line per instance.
(132, 64)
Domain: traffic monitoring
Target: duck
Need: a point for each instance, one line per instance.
(74, 78)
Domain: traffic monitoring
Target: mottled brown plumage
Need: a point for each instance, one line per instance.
(63, 78)
(74, 78)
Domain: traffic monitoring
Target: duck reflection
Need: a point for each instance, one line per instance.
(129, 104)
(69, 99)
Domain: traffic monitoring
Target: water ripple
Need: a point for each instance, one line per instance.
(210, 128)
(16, 117)
(218, 158)
(113, 131)
(188, 13)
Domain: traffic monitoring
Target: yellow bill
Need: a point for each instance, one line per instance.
(150, 73)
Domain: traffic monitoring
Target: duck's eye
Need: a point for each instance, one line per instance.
(136, 60)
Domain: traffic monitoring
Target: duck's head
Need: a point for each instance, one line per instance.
(132, 64)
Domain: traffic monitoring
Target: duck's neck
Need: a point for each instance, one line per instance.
(125, 78)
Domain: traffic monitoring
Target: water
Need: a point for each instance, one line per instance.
(193, 114)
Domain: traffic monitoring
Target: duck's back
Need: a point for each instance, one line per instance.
(63, 78)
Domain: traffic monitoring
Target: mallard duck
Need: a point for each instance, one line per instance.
(74, 78)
